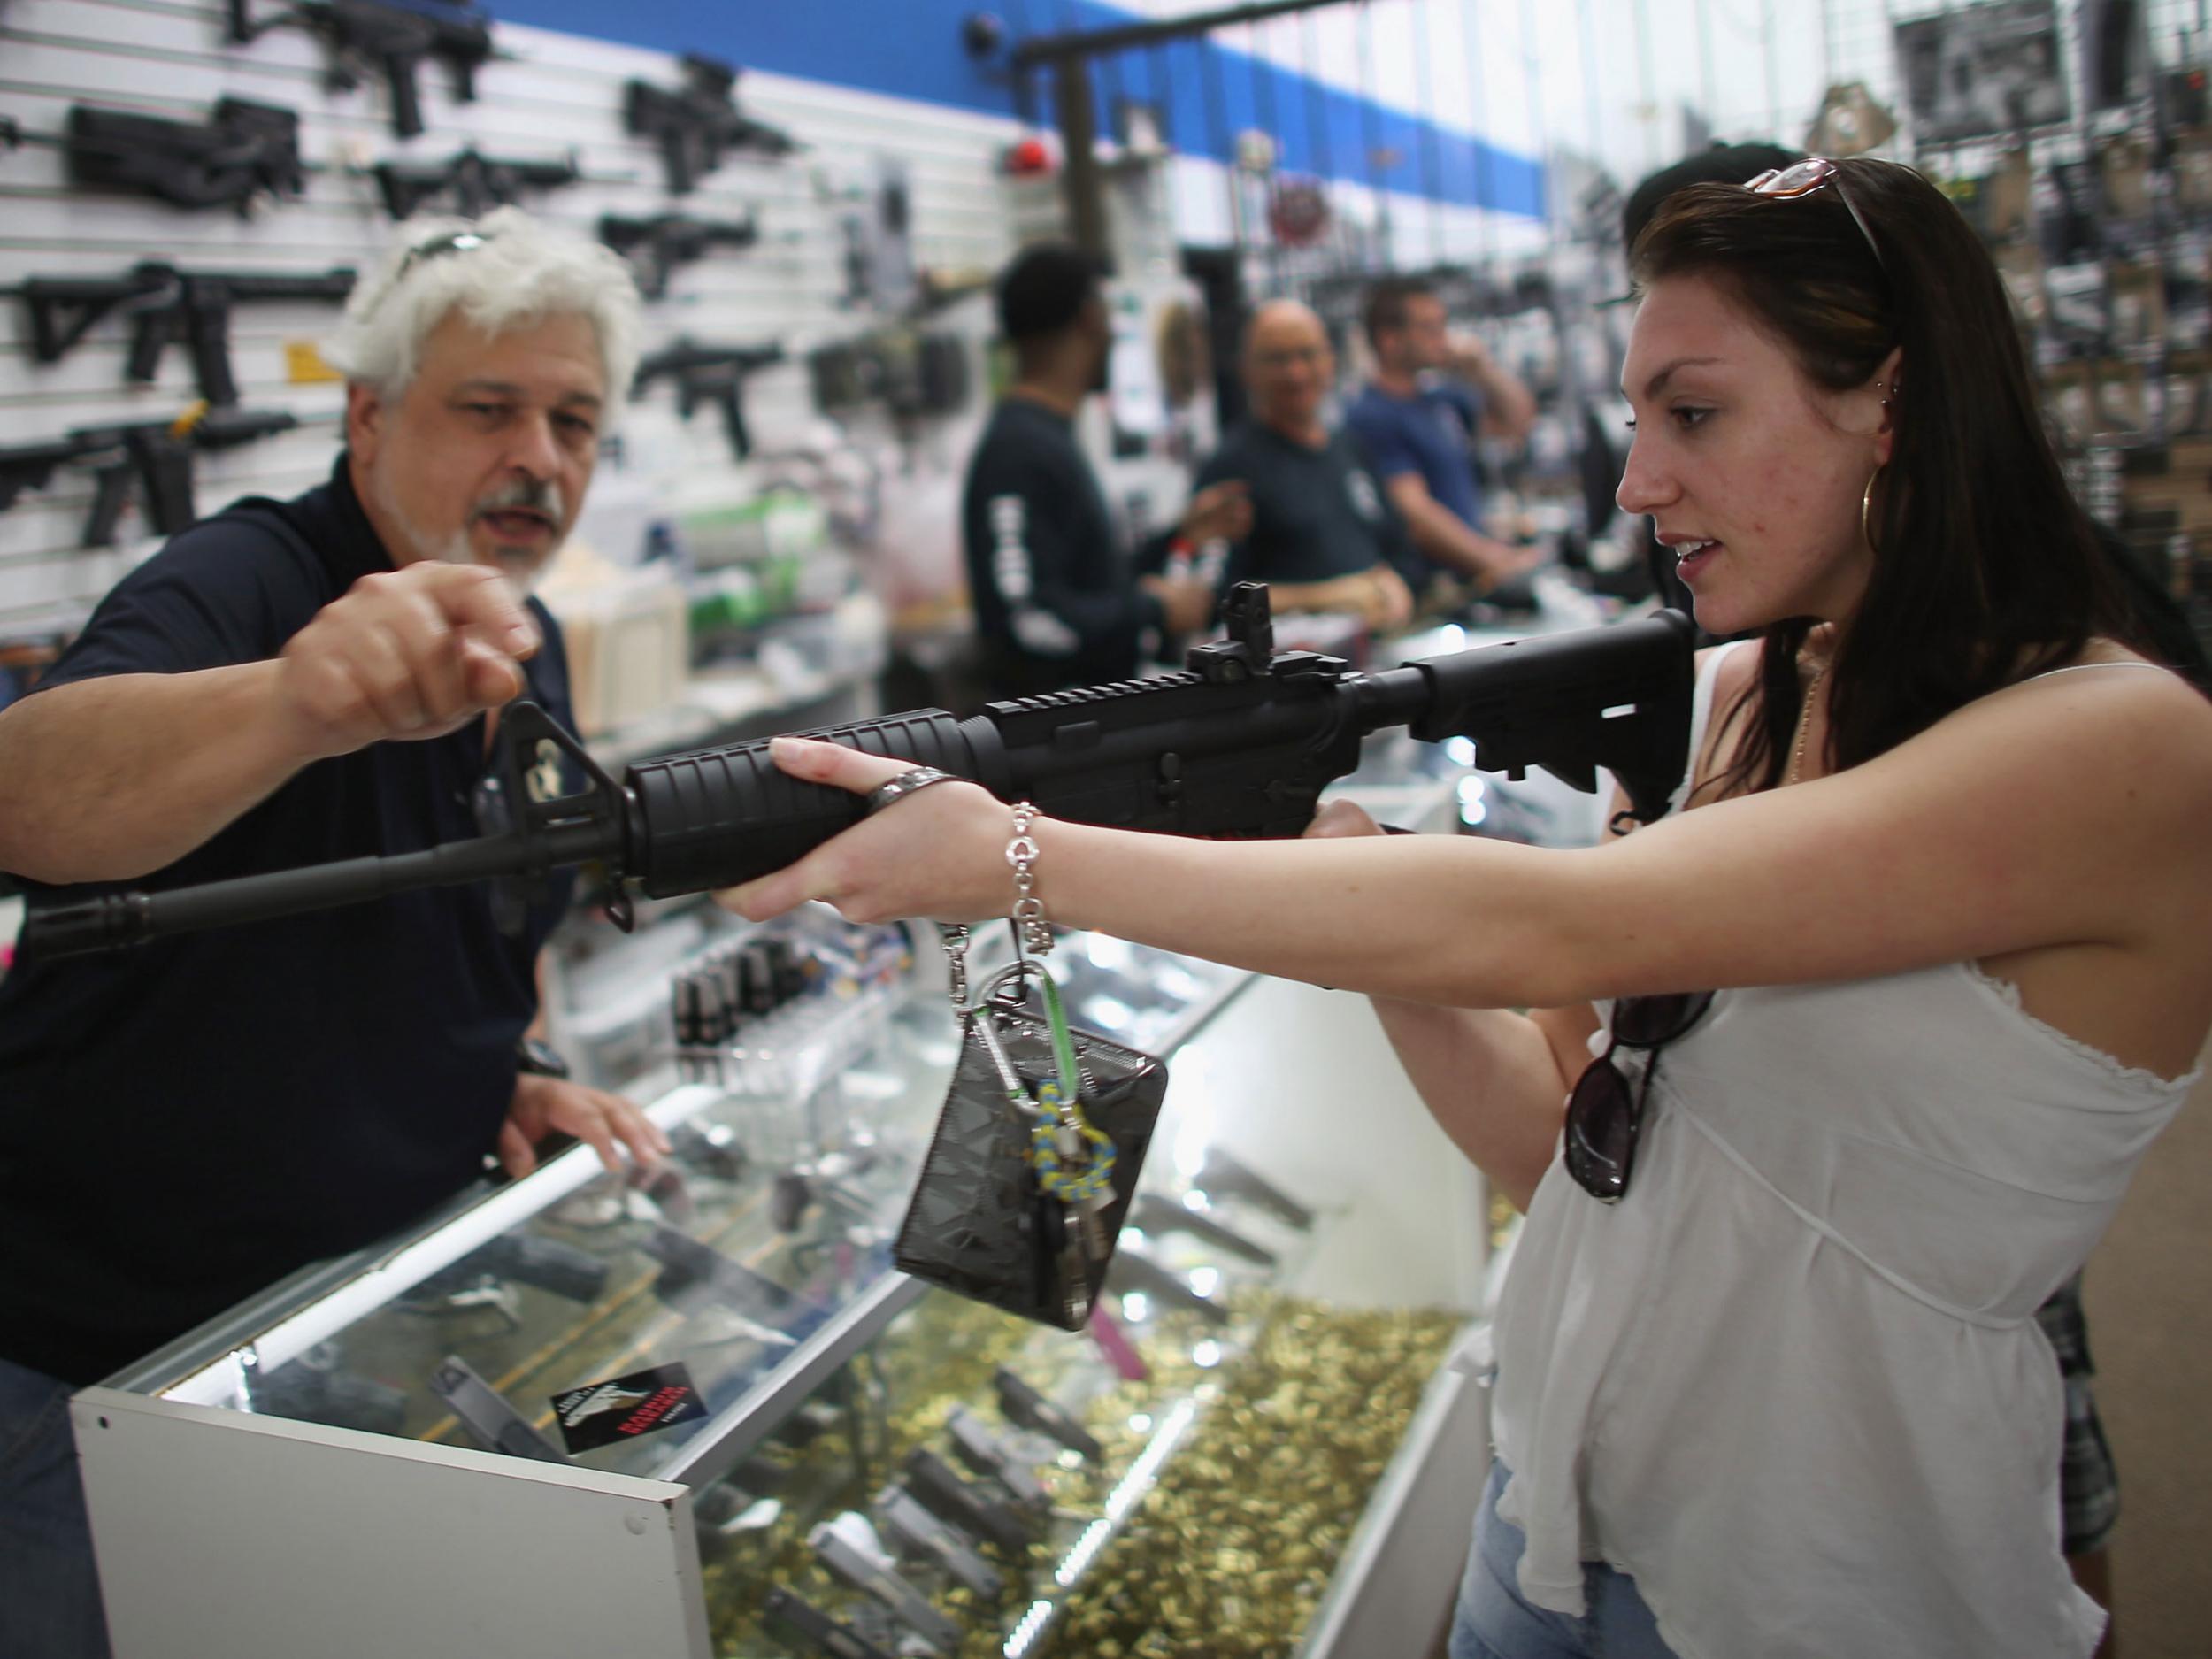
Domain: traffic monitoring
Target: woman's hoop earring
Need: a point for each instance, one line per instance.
(1866, 512)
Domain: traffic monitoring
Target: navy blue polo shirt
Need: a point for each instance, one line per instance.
(1430, 433)
(1316, 514)
(184, 1122)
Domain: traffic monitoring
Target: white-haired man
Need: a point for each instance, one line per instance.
(285, 683)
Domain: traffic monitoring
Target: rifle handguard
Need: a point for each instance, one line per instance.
(716, 816)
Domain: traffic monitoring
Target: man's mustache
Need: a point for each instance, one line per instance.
(529, 495)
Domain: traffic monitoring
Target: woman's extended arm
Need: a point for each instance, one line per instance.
(2064, 812)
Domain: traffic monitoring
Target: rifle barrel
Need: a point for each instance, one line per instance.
(128, 918)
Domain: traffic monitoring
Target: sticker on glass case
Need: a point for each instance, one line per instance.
(600, 1414)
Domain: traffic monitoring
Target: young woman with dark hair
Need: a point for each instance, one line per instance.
(1991, 571)
(1882, 1024)
(1711, 240)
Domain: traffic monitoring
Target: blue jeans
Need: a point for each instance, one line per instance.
(49, 1593)
(1495, 1622)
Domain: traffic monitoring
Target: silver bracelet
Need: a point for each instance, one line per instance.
(1028, 913)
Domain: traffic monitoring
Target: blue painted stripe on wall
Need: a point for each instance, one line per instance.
(1320, 129)
(910, 49)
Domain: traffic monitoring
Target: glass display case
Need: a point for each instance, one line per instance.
(697, 1410)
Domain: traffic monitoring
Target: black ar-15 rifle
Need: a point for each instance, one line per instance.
(390, 38)
(243, 155)
(156, 455)
(31, 465)
(1241, 744)
(162, 303)
(709, 374)
(695, 123)
(473, 183)
(657, 246)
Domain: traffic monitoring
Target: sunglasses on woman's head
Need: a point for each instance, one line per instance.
(1814, 173)
(1605, 1114)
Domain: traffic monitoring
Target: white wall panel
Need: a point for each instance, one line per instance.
(548, 95)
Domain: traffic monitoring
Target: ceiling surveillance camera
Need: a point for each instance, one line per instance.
(982, 33)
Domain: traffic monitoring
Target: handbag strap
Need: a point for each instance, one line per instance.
(1073, 1158)
(1063, 1039)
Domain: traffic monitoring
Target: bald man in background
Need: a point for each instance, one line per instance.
(1323, 536)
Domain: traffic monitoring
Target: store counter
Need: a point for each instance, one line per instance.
(576, 1414)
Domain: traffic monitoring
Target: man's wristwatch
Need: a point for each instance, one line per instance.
(536, 1058)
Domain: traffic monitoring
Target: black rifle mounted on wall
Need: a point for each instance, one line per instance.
(1241, 744)
(154, 457)
(387, 37)
(709, 375)
(471, 183)
(244, 155)
(164, 303)
(657, 246)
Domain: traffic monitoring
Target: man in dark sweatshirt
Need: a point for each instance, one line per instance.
(1057, 601)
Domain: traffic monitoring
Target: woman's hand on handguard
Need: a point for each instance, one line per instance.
(941, 855)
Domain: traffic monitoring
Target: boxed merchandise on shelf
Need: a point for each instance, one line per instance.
(628, 638)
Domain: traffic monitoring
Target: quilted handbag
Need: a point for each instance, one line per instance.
(984, 1222)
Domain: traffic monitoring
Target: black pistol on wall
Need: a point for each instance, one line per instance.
(698, 122)
(709, 374)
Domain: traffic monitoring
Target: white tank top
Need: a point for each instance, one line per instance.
(1792, 1384)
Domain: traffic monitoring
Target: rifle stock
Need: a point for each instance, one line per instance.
(243, 154)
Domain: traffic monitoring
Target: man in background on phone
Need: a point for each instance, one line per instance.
(1433, 394)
